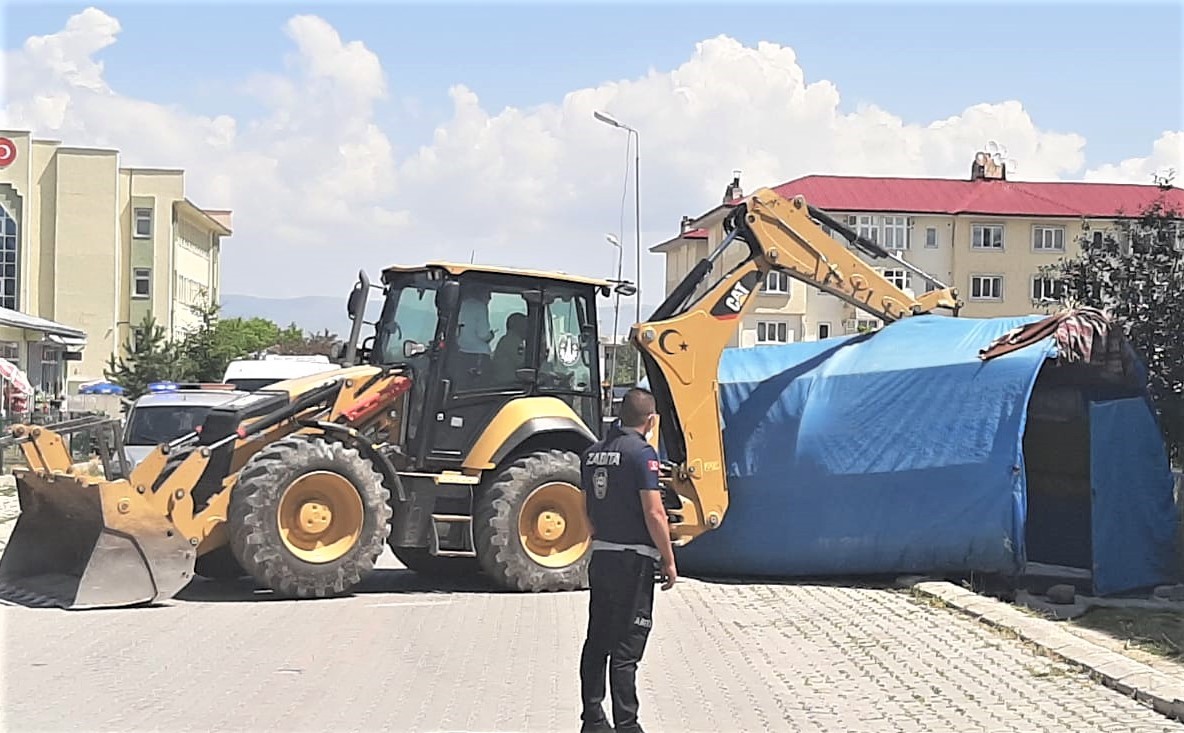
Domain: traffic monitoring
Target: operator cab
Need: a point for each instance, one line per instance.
(477, 338)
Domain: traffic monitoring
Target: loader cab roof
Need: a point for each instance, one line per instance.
(457, 269)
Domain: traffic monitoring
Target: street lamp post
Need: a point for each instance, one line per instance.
(608, 120)
(612, 380)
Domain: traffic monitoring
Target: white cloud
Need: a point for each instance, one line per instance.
(318, 189)
(1167, 153)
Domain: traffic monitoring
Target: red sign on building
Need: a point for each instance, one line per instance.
(7, 152)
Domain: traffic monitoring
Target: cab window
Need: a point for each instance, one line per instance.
(568, 350)
(493, 339)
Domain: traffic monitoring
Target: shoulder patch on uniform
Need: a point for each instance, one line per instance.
(652, 465)
(600, 482)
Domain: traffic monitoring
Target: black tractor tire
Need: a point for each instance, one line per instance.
(499, 546)
(219, 564)
(253, 519)
(421, 562)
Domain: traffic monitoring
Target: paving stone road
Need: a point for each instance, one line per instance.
(401, 656)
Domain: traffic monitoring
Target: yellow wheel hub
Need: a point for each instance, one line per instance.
(320, 516)
(553, 526)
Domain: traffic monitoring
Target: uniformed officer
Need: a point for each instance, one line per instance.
(630, 539)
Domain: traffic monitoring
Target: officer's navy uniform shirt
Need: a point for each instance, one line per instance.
(614, 472)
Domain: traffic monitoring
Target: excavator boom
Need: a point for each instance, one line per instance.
(682, 342)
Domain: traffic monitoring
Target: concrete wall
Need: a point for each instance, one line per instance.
(87, 267)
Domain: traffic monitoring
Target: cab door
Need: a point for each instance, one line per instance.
(488, 362)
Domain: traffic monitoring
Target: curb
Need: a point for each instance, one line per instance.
(1161, 691)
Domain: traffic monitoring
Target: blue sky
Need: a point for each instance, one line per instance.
(1072, 66)
(378, 186)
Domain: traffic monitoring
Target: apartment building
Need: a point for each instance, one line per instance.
(985, 235)
(88, 248)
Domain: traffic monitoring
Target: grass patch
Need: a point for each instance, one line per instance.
(1158, 632)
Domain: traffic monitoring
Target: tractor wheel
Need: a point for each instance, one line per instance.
(530, 526)
(219, 564)
(308, 517)
(421, 562)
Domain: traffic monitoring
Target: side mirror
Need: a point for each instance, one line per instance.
(413, 348)
(355, 307)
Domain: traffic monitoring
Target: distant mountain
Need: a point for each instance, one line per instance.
(315, 313)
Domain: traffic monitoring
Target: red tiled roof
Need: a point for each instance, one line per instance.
(695, 234)
(992, 197)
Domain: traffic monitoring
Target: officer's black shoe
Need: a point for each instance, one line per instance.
(599, 726)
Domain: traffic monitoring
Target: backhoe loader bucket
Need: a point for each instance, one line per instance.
(86, 543)
(83, 541)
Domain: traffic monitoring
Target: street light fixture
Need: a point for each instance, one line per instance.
(610, 120)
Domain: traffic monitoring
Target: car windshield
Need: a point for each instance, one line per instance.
(409, 314)
(152, 425)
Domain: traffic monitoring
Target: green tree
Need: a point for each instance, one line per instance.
(150, 358)
(215, 342)
(294, 341)
(1134, 273)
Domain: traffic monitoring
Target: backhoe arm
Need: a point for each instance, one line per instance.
(682, 342)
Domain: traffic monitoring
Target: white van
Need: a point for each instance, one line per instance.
(249, 375)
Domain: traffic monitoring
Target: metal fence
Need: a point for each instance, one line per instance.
(82, 445)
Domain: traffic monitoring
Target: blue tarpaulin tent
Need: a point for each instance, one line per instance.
(902, 452)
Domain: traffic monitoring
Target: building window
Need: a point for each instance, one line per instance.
(986, 236)
(142, 220)
(896, 232)
(1048, 239)
(772, 332)
(823, 331)
(986, 287)
(10, 350)
(1045, 288)
(931, 237)
(861, 325)
(868, 228)
(9, 252)
(777, 282)
(141, 282)
(899, 278)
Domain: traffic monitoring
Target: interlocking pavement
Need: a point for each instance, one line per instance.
(401, 655)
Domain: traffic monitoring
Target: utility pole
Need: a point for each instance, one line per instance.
(609, 120)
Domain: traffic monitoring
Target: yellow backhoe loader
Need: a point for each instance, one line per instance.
(451, 435)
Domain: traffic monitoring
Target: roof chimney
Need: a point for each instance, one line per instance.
(988, 167)
(733, 191)
(684, 224)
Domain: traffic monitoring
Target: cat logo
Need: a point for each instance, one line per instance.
(736, 298)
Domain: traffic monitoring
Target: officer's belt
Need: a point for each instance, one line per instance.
(646, 550)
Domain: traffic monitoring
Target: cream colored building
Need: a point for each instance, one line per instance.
(91, 247)
(984, 235)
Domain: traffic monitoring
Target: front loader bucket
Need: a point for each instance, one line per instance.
(87, 543)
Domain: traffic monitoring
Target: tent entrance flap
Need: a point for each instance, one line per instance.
(1057, 531)
(1133, 506)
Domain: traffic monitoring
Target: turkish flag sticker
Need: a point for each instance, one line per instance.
(653, 466)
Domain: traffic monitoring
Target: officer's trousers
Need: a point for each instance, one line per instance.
(620, 615)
